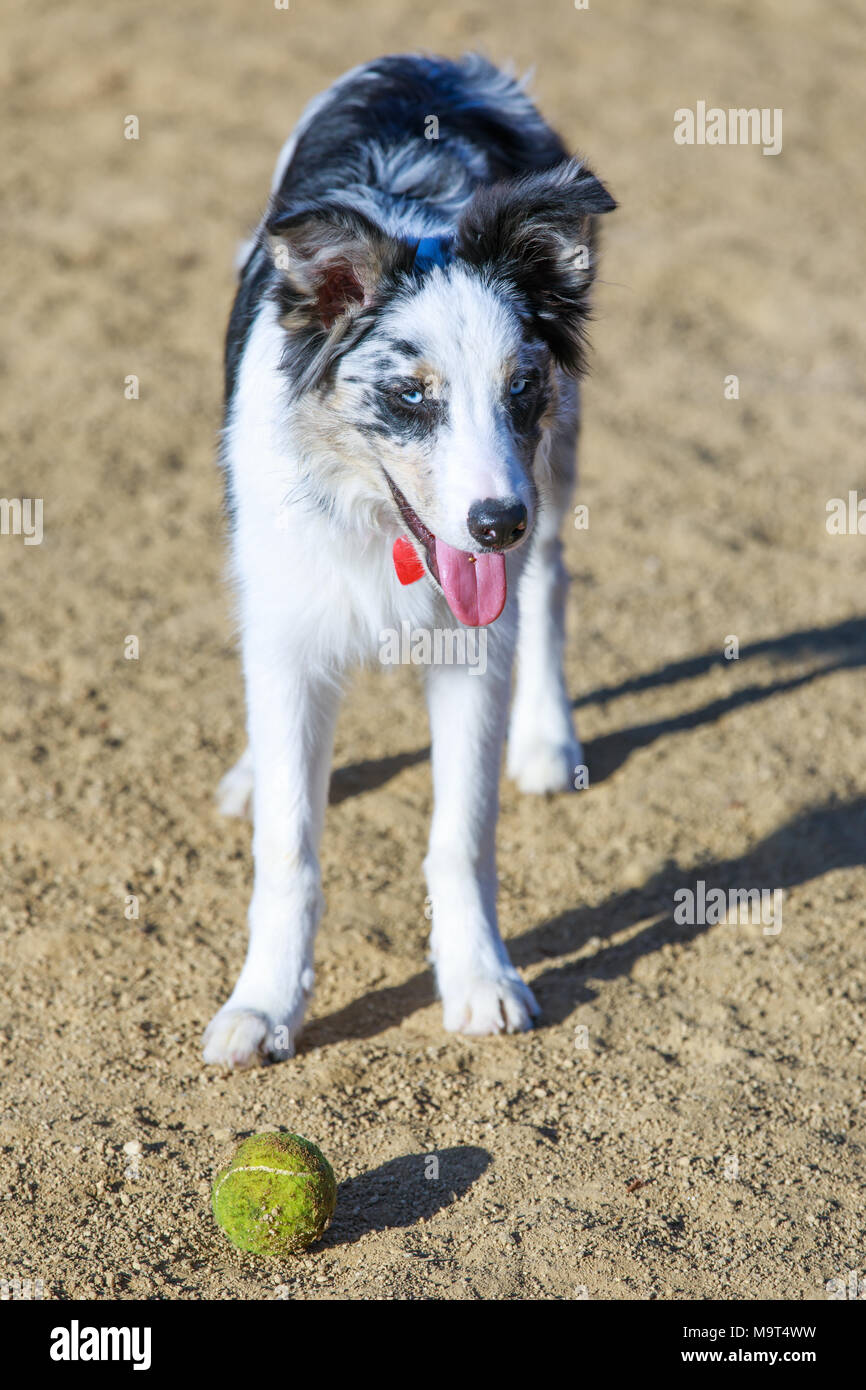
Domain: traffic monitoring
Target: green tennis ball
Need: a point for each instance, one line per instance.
(276, 1196)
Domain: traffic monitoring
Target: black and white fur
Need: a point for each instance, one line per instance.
(328, 450)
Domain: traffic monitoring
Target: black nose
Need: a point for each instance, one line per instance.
(496, 523)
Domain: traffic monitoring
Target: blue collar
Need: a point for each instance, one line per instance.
(433, 250)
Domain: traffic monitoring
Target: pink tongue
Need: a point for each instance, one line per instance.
(474, 585)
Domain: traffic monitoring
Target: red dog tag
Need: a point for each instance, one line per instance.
(406, 562)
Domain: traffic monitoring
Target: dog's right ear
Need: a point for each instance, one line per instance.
(334, 261)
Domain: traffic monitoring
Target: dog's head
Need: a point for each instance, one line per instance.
(429, 369)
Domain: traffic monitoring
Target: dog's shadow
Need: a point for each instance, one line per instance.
(829, 837)
(403, 1191)
(839, 647)
(824, 838)
(808, 846)
(366, 776)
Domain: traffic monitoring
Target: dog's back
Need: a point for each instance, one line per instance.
(416, 135)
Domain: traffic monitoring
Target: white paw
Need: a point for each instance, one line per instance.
(245, 1038)
(235, 791)
(482, 1006)
(539, 765)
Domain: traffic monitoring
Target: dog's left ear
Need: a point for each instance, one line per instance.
(537, 232)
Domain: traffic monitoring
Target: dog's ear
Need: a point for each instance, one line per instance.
(334, 264)
(538, 233)
(334, 261)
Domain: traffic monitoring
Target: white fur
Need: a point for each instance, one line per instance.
(544, 751)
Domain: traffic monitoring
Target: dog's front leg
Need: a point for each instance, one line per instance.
(291, 724)
(480, 989)
(544, 751)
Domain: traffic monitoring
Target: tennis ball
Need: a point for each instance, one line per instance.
(276, 1196)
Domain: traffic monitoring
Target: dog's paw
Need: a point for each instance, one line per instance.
(482, 1006)
(246, 1038)
(235, 791)
(539, 765)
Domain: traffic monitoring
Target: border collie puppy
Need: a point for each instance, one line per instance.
(399, 446)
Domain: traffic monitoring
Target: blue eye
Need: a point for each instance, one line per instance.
(412, 397)
(518, 384)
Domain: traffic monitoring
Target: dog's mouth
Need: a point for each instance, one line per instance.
(474, 586)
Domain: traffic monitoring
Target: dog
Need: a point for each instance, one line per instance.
(401, 420)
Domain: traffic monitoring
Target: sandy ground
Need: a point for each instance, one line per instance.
(719, 1065)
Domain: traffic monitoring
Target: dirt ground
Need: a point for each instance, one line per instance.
(719, 1066)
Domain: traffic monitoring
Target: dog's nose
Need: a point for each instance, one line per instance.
(496, 523)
